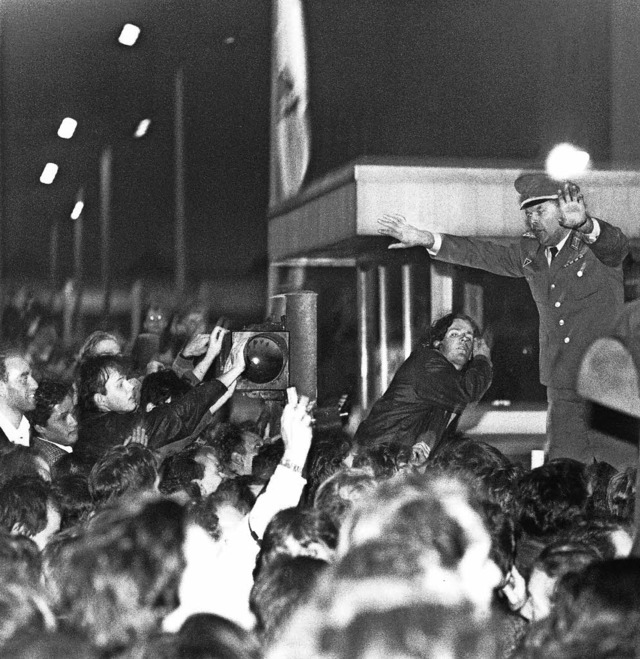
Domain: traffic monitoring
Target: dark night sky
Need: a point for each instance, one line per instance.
(483, 79)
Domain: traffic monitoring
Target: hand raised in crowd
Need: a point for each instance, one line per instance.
(196, 346)
(573, 212)
(396, 226)
(234, 365)
(138, 436)
(213, 350)
(481, 347)
(296, 429)
(419, 454)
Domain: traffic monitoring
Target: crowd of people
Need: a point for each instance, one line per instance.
(140, 519)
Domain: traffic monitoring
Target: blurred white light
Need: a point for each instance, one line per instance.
(566, 161)
(129, 34)
(67, 128)
(142, 128)
(77, 209)
(230, 40)
(48, 173)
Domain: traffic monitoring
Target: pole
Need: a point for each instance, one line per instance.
(106, 163)
(181, 256)
(54, 240)
(78, 269)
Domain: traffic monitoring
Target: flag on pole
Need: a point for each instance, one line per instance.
(290, 135)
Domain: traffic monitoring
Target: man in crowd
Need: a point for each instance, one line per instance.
(109, 413)
(572, 262)
(17, 396)
(445, 373)
(55, 427)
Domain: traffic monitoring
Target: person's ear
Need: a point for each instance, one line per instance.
(236, 460)
(436, 344)
(40, 429)
(100, 401)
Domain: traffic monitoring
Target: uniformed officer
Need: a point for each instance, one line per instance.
(572, 262)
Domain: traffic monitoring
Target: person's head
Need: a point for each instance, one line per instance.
(160, 388)
(122, 470)
(539, 201)
(74, 499)
(337, 495)
(555, 560)
(621, 494)
(385, 460)
(99, 344)
(22, 461)
(236, 447)
(27, 507)
(155, 319)
(20, 560)
(453, 336)
(553, 497)
(53, 417)
(292, 532)
(121, 577)
(205, 635)
(104, 386)
(279, 590)
(439, 519)
(212, 475)
(17, 385)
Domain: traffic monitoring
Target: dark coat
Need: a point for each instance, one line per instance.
(50, 452)
(578, 296)
(99, 431)
(426, 391)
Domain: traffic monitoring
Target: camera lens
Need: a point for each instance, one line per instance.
(265, 356)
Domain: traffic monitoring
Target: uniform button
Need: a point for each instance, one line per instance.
(561, 322)
(579, 273)
(567, 339)
(553, 286)
(557, 304)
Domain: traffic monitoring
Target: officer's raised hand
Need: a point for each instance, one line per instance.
(573, 212)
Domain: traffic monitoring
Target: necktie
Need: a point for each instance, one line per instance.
(553, 251)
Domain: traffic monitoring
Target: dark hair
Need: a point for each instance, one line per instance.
(158, 387)
(440, 327)
(279, 590)
(560, 557)
(23, 505)
(599, 475)
(48, 394)
(296, 532)
(93, 376)
(268, 458)
(226, 440)
(553, 497)
(383, 459)
(17, 461)
(337, 495)
(208, 636)
(75, 501)
(179, 470)
(122, 469)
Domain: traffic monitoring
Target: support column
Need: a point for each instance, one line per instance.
(625, 81)
(383, 330)
(473, 303)
(273, 288)
(441, 289)
(407, 309)
(364, 290)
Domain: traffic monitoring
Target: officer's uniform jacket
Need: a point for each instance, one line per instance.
(578, 296)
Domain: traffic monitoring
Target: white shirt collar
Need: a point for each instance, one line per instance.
(67, 449)
(19, 435)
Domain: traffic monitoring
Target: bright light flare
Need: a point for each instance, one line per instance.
(77, 210)
(49, 173)
(142, 128)
(67, 128)
(566, 161)
(129, 34)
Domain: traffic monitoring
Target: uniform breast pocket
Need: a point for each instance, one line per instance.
(583, 283)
